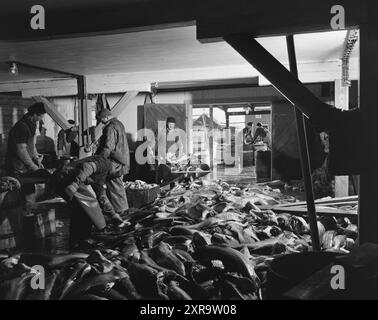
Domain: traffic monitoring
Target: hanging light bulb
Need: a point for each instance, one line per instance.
(13, 69)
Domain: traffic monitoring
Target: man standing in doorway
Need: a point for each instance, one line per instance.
(114, 146)
(46, 146)
(247, 133)
(263, 134)
(68, 141)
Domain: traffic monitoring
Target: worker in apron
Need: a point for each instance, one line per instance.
(22, 160)
(113, 145)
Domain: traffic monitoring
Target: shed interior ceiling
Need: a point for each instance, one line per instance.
(155, 50)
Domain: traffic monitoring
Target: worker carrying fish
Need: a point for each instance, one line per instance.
(96, 171)
(113, 145)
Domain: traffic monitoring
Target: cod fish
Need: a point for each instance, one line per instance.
(232, 259)
(163, 255)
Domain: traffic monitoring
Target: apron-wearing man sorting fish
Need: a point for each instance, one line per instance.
(22, 160)
(95, 170)
(113, 145)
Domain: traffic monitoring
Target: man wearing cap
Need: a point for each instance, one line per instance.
(67, 141)
(21, 156)
(114, 146)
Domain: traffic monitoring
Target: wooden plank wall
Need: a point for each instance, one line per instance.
(285, 154)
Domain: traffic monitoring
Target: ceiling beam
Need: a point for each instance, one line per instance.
(68, 87)
(241, 113)
(37, 84)
(309, 72)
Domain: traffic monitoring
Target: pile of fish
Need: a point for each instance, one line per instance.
(198, 241)
(139, 185)
(9, 184)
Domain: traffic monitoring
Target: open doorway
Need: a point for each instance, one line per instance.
(218, 138)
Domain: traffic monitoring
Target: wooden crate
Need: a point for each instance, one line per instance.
(10, 228)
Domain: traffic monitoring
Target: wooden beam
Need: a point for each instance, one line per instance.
(117, 110)
(122, 103)
(53, 112)
(332, 201)
(68, 87)
(140, 79)
(304, 152)
(289, 85)
(50, 92)
(250, 113)
(342, 102)
(211, 138)
(116, 84)
(38, 84)
(368, 221)
(319, 211)
(310, 72)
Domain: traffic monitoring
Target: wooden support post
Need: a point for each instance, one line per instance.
(83, 116)
(122, 103)
(304, 153)
(189, 128)
(368, 219)
(53, 112)
(211, 138)
(342, 102)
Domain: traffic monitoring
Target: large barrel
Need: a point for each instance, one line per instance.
(11, 212)
(263, 165)
(288, 271)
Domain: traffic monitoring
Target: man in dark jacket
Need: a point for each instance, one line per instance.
(22, 160)
(22, 157)
(68, 141)
(113, 146)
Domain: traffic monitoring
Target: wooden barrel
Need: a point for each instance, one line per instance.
(10, 227)
(263, 165)
(287, 271)
(248, 158)
(8, 238)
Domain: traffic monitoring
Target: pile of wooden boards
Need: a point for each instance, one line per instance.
(338, 207)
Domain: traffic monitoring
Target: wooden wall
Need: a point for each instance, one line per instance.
(285, 149)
